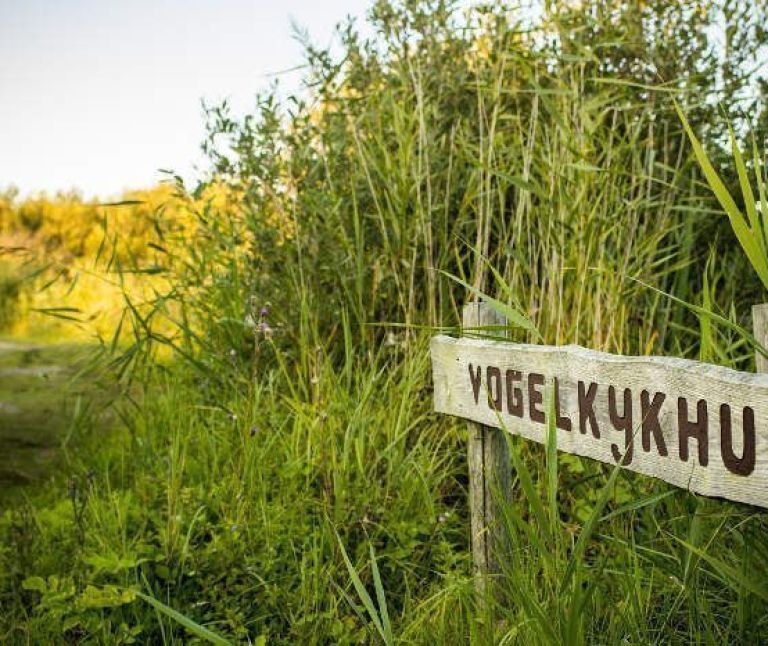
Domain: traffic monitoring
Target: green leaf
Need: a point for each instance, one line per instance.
(589, 528)
(526, 482)
(381, 599)
(730, 575)
(365, 598)
(521, 183)
(112, 563)
(639, 504)
(65, 313)
(748, 239)
(746, 190)
(108, 596)
(121, 203)
(36, 583)
(761, 189)
(513, 316)
(191, 625)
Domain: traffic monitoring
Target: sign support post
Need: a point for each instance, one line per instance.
(489, 480)
(760, 330)
(695, 425)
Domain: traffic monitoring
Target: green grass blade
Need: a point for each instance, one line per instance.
(759, 347)
(191, 625)
(730, 575)
(746, 190)
(526, 482)
(381, 599)
(589, 528)
(514, 317)
(746, 237)
(365, 598)
(636, 505)
(762, 191)
(551, 453)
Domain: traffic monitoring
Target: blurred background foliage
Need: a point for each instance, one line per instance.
(68, 265)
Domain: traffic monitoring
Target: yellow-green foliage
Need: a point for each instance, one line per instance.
(61, 253)
(69, 265)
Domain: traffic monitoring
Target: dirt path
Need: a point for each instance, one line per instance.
(37, 396)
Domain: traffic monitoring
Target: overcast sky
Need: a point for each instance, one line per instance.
(98, 95)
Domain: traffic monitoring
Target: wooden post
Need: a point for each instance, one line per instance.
(760, 330)
(489, 480)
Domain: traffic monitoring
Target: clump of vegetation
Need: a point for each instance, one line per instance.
(282, 478)
(10, 292)
(62, 256)
(69, 265)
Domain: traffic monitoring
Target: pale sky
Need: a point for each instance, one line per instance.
(99, 95)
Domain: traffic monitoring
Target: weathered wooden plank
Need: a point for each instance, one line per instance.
(489, 479)
(695, 425)
(760, 330)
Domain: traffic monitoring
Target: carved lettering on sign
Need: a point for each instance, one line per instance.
(535, 397)
(649, 413)
(562, 422)
(699, 430)
(744, 465)
(621, 422)
(587, 410)
(692, 424)
(476, 379)
(514, 394)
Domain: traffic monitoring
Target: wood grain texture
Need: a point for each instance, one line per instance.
(489, 480)
(697, 426)
(760, 327)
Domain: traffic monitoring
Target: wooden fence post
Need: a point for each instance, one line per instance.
(760, 330)
(489, 480)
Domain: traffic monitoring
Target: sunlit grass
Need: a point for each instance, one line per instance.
(277, 473)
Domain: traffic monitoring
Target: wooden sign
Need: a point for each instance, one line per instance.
(697, 426)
